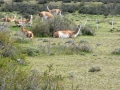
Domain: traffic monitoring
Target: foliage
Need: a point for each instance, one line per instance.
(87, 30)
(69, 47)
(66, 1)
(42, 1)
(1, 2)
(116, 51)
(13, 76)
(105, 8)
(21, 8)
(17, 0)
(30, 51)
(46, 28)
(69, 8)
(7, 47)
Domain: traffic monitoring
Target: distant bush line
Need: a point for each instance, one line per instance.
(113, 7)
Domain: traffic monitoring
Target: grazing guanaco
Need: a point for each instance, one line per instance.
(67, 33)
(46, 15)
(55, 11)
(6, 19)
(24, 21)
(27, 33)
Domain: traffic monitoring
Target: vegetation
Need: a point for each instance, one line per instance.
(89, 61)
(103, 7)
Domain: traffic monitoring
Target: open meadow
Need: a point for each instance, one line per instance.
(85, 62)
(75, 66)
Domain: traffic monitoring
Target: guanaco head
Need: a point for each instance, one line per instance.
(79, 26)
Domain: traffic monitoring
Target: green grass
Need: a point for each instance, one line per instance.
(103, 44)
(78, 65)
(15, 28)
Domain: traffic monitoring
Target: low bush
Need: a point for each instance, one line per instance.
(67, 48)
(116, 51)
(87, 30)
(15, 77)
(42, 1)
(66, 1)
(1, 2)
(69, 8)
(44, 29)
(17, 0)
(30, 51)
(7, 47)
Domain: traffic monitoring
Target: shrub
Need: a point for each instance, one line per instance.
(1, 2)
(17, 0)
(15, 77)
(66, 1)
(7, 47)
(69, 8)
(87, 30)
(30, 51)
(22, 8)
(116, 51)
(42, 29)
(42, 1)
(69, 47)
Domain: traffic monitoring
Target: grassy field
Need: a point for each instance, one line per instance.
(75, 67)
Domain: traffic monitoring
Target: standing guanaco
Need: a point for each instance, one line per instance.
(55, 11)
(46, 15)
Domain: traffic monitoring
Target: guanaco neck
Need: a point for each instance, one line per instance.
(29, 20)
(75, 33)
(14, 17)
(22, 29)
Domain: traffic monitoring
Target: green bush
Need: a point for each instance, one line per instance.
(116, 51)
(66, 1)
(17, 0)
(44, 29)
(1, 2)
(15, 77)
(22, 8)
(42, 1)
(30, 51)
(87, 30)
(7, 47)
(69, 8)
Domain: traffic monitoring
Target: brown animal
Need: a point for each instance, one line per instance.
(55, 11)
(24, 21)
(6, 19)
(66, 33)
(27, 33)
(46, 15)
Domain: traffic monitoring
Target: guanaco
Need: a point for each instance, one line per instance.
(24, 21)
(6, 19)
(28, 33)
(46, 15)
(54, 11)
(67, 33)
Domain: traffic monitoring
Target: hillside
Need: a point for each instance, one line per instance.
(87, 62)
